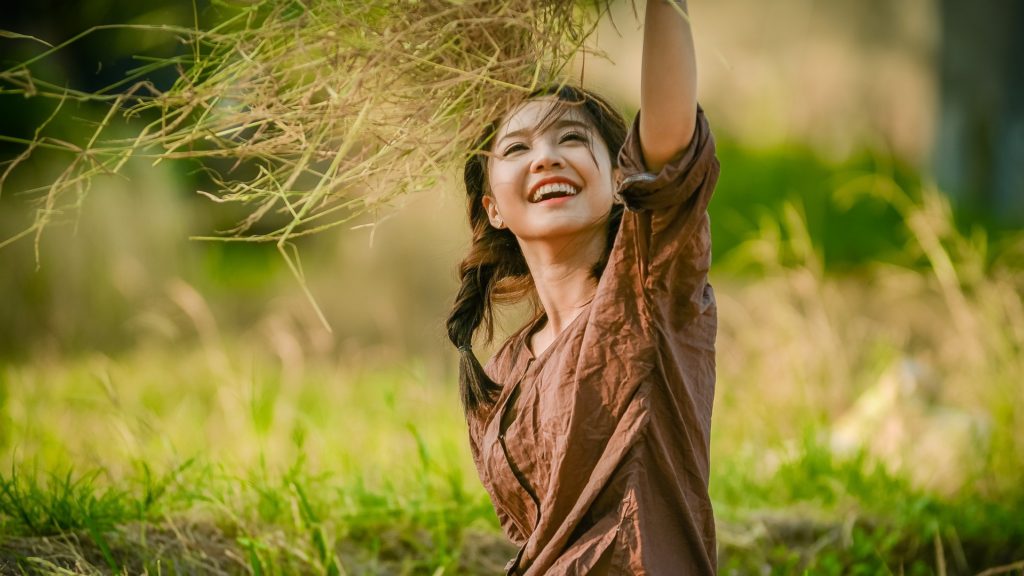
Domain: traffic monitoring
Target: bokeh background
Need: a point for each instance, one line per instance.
(868, 263)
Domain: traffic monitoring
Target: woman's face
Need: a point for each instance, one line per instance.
(548, 178)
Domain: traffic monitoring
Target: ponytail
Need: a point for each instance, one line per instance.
(471, 309)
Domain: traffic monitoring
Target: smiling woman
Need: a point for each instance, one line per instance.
(497, 269)
(590, 427)
(536, 174)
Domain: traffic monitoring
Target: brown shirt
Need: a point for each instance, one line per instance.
(595, 454)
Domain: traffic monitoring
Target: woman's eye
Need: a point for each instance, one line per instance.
(512, 148)
(574, 137)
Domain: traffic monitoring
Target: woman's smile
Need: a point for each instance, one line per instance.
(552, 188)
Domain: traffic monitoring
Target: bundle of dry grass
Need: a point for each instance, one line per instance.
(323, 108)
(324, 97)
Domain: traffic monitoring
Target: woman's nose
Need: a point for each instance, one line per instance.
(546, 157)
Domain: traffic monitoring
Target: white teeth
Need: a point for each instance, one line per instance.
(546, 189)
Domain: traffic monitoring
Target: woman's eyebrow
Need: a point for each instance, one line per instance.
(557, 125)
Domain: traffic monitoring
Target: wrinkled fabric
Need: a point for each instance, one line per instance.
(596, 452)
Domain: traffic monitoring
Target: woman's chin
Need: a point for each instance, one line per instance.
(559, 229)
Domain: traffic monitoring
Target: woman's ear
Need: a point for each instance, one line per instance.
(491, 207)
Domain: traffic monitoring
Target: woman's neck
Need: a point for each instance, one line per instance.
(562, 274)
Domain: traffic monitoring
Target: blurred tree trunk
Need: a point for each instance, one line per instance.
(979, 151)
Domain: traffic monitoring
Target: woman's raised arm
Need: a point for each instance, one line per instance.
(668, 84)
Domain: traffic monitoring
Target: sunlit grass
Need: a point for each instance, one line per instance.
(291, 468)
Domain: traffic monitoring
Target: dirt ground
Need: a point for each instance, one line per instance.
(197, 548)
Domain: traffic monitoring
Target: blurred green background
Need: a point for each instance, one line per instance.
(860, 313)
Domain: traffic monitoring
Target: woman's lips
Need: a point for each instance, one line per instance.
(554, 201)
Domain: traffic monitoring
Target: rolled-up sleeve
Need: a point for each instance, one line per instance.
(678, 180)
(667, 219)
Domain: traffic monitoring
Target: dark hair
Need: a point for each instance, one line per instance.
(495, 271)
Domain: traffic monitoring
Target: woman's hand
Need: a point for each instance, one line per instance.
(668, 84)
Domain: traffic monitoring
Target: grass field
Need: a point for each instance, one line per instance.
(186, 461)
(343, 470)
(865, 424)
